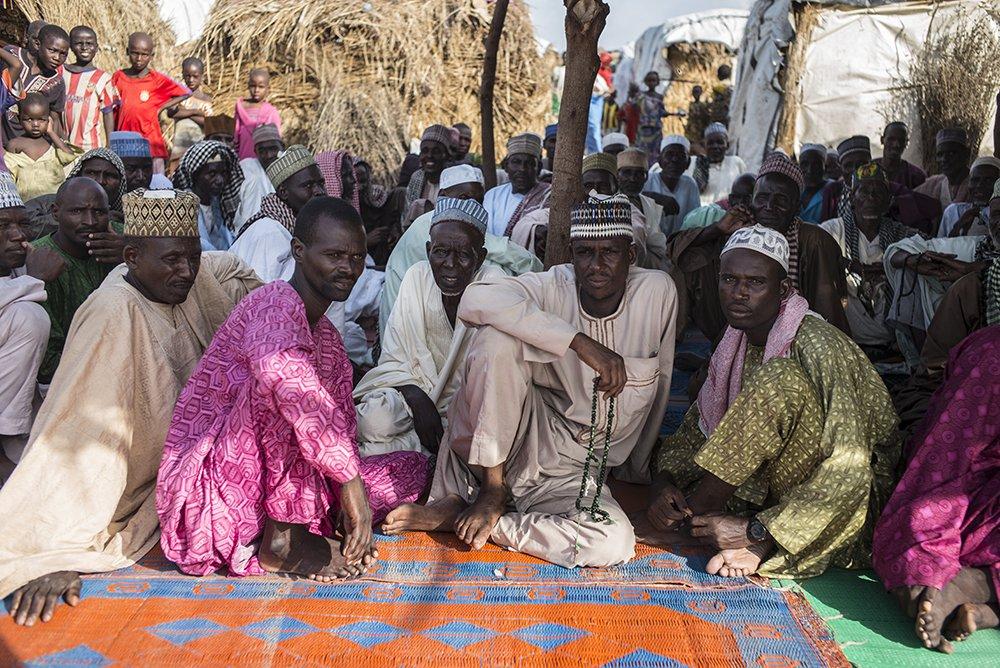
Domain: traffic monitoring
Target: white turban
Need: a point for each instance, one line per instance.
(615, 138)
(459, 174)
(681, 140)
(761, 239)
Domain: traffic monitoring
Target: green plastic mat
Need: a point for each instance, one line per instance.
(873, 632)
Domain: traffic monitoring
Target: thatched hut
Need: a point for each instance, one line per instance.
(369, 76)
(113, 20)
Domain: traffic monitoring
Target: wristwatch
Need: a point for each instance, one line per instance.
(756, 532)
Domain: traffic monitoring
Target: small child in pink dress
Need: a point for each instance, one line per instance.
(253, 112)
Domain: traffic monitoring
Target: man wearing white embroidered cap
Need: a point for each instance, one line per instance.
(615, 142)
(785, 458)
(671, 188)
(528, 446)
(458, 182)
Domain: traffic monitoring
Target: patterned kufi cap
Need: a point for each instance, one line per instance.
(605, 218)
(716, 129)
(633, 157)
(526, 142)
(996, 191)
(459, 174)
(161, 213)
(986, 161)
(438, 133)
(266, 132)
(222, 124)
(462, 210)
(129, 145)
(551, 130)
(605, 161)
(952, 135)
(293, 160)
(818, 148)
(779, 163)
(680, 140)
(853, 144)
(615, 139)
(762, 239)
(9, 197)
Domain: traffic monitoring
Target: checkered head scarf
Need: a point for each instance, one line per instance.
(199, 155)
(115, 198)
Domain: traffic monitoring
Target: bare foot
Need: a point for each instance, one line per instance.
(908, 598)
(38, 599)
(969, 618)
(738, 563)
(475, 524)
(438, 516)
(971, 585)
(291, 548)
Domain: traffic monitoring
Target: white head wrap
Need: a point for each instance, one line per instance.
(459, 174)
(680, 140)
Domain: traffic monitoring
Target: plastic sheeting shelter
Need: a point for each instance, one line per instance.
(853, 59)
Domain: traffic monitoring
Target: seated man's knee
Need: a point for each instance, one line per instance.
(382, 415)
(606, 543)
(490, 343)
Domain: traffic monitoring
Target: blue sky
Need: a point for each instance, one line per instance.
(628, 18)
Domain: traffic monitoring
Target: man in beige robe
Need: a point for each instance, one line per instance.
(81, 499)
(518, 465)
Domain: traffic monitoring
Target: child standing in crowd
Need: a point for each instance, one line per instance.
(254, 111)
(189, 116)
(41, 74)
(90, 97)
(144, 92)
(36, 159)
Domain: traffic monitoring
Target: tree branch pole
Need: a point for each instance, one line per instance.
(585, 20)
(486, 92)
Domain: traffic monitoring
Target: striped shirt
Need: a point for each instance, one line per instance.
(89, 94)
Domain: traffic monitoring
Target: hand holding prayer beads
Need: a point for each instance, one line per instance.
(609, 365)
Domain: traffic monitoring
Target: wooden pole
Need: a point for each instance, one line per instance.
(585, 21)
(486, 92)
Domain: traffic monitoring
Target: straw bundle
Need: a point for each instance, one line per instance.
(693, 64)
(368, 76)
(113, 20)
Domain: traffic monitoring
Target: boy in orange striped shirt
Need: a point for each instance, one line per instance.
(90, 95)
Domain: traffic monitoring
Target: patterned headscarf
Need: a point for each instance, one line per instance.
(330, 163)
(272, 207)
(199, 155)
(9, 197)
(115, 198)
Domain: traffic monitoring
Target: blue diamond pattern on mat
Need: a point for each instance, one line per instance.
(81, 655)
(368, 634)
(458, 635)
(276, 629)
(549, 636)
(641, 658)
(183, 631)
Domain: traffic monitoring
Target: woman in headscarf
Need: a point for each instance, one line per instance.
(211, 170)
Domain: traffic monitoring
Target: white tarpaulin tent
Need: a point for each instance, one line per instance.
(722, 26)
(186, 17)
(854, 57)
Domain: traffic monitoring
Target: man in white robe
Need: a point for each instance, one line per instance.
(256, 184)
(402, 403)
(723, 169)
(553, 351)
(81, 499)
(507, 203)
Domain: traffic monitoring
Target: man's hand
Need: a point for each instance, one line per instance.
(951, 269)
(356, 522)
(37, 599)
(721, 531)
(736, 218)
(964, 224)
(669, 509)
(669, 204)
(106, 247)
(426, 419)
(377, 236)
(43, 263)
(609, 365)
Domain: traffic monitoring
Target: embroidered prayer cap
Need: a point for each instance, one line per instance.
(266, 132)
(294, 159)
(129, 145)
(779, 163)
(996, 191)
(716, 129)
(986, 161)
(605, 161)
(9, 197)
(462, 210)
(633, 157)
(761, 239)
(551, 130)
(615, 139)
(854, 144)
(605, 218)
(527, 143)
(161, 213)
(459, 174)
(439, 133)
(222, 124)
(814, 148)
(952, 136)
(679, 140)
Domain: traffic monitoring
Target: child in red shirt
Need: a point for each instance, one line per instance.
(144, 93)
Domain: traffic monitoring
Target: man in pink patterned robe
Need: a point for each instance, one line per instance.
(261, 470)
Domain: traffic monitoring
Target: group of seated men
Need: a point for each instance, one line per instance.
(207, 400)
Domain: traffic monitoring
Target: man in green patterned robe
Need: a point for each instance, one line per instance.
(787, 455)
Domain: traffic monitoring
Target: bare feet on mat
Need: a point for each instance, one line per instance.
(969, 618)
(475, 524)
(908, 598)
(438, 516)
(38, 599)
(291, 548)
(970, 586)
(738, 563)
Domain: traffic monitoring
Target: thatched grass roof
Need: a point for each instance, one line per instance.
(113, 20)
(368, 76)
